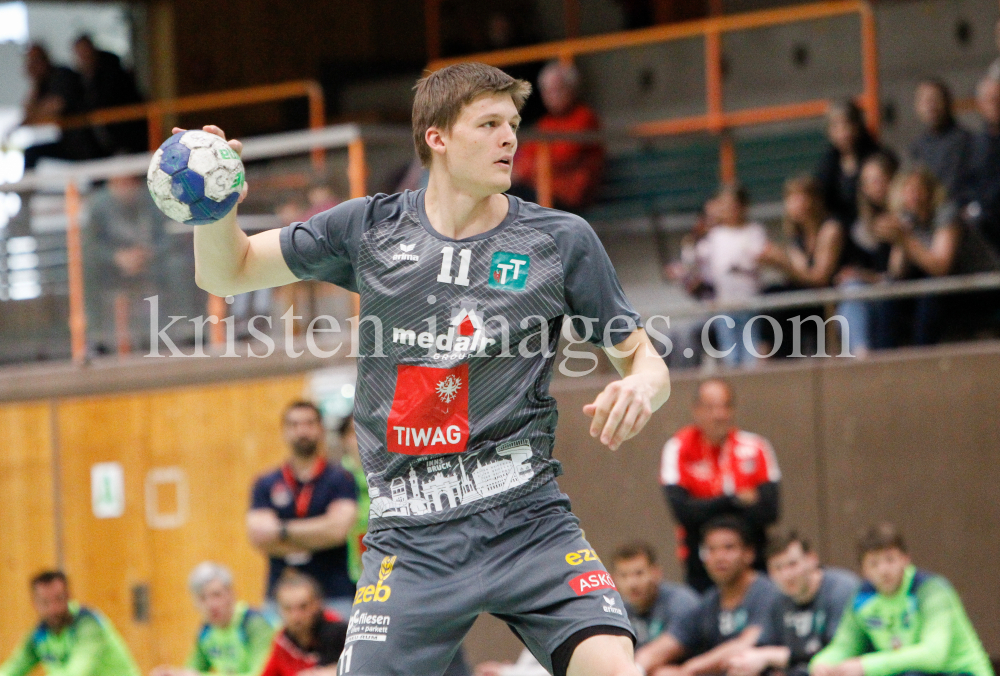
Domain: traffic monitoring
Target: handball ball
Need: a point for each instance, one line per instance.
(195, 177)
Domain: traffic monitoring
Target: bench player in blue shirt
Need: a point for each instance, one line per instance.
(464, 291)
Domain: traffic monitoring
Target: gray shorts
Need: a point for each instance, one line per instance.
(525, 562)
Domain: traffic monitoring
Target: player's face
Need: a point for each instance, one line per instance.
(51, 602)
(303, 431)
(885, 569)
(299, 607)
(216, 602)
(725, 556)
(792, 571)
(637, 581)
(713, 413)
(479, 148)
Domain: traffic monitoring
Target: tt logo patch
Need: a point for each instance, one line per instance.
(509, 271)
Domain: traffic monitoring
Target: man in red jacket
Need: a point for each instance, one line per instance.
(313, 638)
(712, 468)
(576, 166)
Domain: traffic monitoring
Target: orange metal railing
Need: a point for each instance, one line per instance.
(715, 120)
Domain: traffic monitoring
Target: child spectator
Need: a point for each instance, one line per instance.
(902, 620)
(850, 145)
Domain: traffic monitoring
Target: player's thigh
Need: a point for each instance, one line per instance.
(551, 587)
(603, 655)
(407, 618)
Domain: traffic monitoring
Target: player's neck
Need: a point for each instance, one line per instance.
(460, 213)
(732, 594)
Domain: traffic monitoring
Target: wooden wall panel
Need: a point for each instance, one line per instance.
(220, 436)
(27, 513)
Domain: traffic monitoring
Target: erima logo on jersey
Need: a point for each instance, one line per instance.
(509, 271)
(406, 255)
(610, 607)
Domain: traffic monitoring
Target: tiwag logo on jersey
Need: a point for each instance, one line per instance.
(406, 255)
(509, 271)
(430, 410)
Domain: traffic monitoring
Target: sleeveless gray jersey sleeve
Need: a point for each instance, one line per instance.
(325, 247)
(592, 289)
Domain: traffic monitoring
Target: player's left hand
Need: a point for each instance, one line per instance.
(620, 411)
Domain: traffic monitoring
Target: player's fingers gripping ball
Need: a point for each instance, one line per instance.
(195, 177)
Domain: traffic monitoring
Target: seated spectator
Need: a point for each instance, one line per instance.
(711, 469)
(805, 619)
(902, 620)
(850, 145)
(235, 639)
(70, 640)
(981, 192)
(944, 147)
(107, 84)
(735, 614)
(313, 638)
(576, 166)
(994, 70)
(866, 259)
(730, 250)
(656, 608)
(54, 91)
(125, 246)
(815, 240)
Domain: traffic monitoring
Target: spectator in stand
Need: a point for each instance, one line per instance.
(805, 619)
(576, 165)
(301, 512)
(731, 249)
(55, 91)
(902, 620)
(735, 614)
(656, 608)
(994, 69)
(812, 254)
(981, 194)
(712, 469)
(235, 639)
(944, 147)
(321, 197)
(107, 84)
(125, 247)
(312, 638)
(850, 146)
(866, 259)
(70, 639)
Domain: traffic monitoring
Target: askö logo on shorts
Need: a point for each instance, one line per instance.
(509, 271)
(379, 592)
(588, 582)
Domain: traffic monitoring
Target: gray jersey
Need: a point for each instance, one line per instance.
(674, 604)
(712, 625)
(807, 629)
(451, 418)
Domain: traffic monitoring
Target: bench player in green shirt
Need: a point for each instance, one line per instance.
(901, 620)
(235, 639)
(70, 640)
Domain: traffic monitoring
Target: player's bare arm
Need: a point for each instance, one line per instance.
(227, 261)
(625, 406)
(717, 659)
(264, 530)
(664, 649)
(756, 660)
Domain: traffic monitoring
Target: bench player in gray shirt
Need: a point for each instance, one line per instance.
(656, 608)
(463, 293)
(735, 614)
(806, 618)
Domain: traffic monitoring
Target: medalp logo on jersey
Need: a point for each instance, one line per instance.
(509, 271)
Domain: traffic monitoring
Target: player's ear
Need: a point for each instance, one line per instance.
(435, 140)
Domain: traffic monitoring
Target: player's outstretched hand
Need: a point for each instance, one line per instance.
(233, 143)
(620, 411)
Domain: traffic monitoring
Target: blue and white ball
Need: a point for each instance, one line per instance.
(195, 177)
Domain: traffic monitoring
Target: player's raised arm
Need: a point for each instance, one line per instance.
(227, 261)
(625, 406)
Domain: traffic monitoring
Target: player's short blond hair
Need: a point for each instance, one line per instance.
(441, 96)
